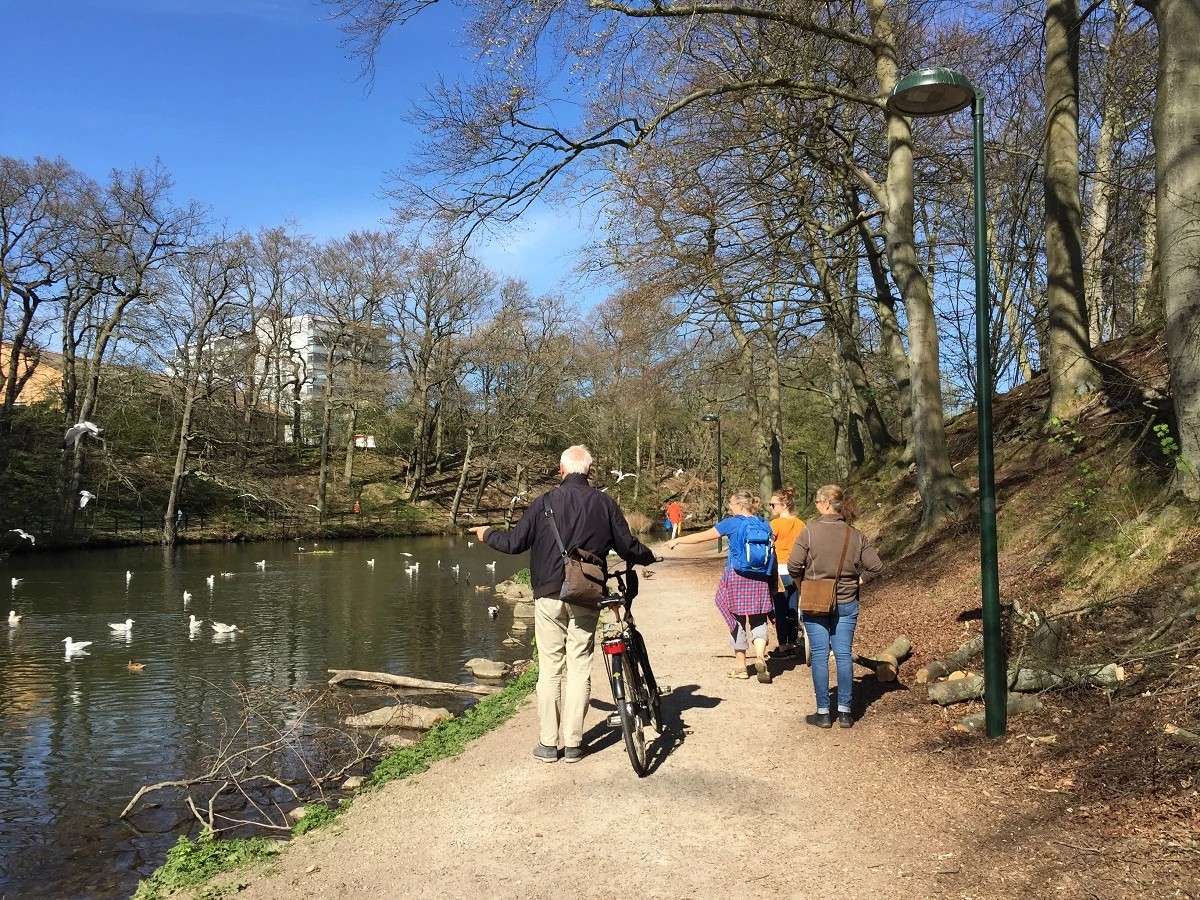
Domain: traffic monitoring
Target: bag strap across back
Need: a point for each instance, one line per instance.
(842, 559)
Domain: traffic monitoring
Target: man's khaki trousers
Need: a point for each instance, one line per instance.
(566, 639)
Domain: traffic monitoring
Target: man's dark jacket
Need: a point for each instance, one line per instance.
(585, 517)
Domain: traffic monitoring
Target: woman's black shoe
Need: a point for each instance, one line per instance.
(845, 720)
(821, 720)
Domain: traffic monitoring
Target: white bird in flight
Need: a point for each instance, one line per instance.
(74, 647)
(621, 476)
(24, 535)
(122, 627)
(84, 497)
(513, 501)
(16, 581)
(78, 430)
(13, 619)
(222, 628)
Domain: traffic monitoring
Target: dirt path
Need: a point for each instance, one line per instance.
(745, 800)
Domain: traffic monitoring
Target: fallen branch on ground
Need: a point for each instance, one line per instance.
(886, 663)
(341, 675)
(1017, 704)
(1029, 681)
(940, 668)
(1182, 735)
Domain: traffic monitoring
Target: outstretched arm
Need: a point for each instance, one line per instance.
(696, 537)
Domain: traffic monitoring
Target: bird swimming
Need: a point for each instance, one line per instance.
(222, 628)
(186, 597)
(128, 576)
(75, 646)
(491, 565)
(262, 563)
(135, 667)
(371, 563)
(13, 619)
(125, 627)
(210, 579)
(16, 581)
(194, 623)
(470, 543)
(493, 611)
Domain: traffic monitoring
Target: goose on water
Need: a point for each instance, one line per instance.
(122, 627)
(13, 619)
(222, 628)
(75, 646)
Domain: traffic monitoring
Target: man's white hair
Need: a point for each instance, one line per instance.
(576, 460)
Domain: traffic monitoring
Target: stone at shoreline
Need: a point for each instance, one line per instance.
(510, 590)
(353, 783)
(396, 742)
(402, 715)
(488, 668)
(524, 611)
(296, 814)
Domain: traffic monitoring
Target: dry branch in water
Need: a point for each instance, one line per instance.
(404, 681)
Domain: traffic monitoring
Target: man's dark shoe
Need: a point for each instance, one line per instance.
(845, 720)
(542, 753)
(821, 720)
(572, 754)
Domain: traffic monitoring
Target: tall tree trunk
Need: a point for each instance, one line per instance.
(1146, 304)
(462, 478)
(940, 488)
(348, 471)
(1103, 182)
(181, 454)
(1069, 357)
(1177, 210)
(326, 439)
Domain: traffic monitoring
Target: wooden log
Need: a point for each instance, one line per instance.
(341, 675)
(1017, 703)
(940, 668)
(886, 663)
(947, 692)
(1182, 735)
(1035, 680)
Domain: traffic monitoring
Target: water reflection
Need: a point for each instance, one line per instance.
(80, 731)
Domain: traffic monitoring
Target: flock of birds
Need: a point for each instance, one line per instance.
(79, 648)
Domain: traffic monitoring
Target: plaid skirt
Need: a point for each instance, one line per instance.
(738, 596)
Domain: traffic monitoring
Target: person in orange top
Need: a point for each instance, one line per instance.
(675, 517)
(786, 526)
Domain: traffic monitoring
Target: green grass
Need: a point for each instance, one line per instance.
(191, 863)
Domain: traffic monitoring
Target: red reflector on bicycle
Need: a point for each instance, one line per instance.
(614, 648)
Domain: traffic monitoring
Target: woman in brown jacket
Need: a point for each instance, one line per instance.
(815, 555)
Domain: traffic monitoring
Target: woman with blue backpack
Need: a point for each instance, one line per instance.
(744, 593)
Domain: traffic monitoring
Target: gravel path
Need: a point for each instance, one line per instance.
(745, 799)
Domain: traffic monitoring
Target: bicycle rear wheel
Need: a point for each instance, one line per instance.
(653, 700)
(632, 709)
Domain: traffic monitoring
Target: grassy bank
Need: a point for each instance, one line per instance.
(191, 863)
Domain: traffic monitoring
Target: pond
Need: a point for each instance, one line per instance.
(80, 734)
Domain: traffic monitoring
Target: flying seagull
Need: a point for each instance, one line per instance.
(84, 497)
(24, 535)
(621, 476)
(78, 430)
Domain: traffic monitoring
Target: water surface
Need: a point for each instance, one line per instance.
(78, 736)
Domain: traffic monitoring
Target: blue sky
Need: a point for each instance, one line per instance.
(250, 104)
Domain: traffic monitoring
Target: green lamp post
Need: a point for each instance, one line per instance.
(939, 92)
(709, 417)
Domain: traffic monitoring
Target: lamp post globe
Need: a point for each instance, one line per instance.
(940, 92)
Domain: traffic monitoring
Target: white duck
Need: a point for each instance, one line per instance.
(13, 619)
(125, 627)
(187, 596)
(16, 581)
(262, 564)
(75, 646)
(222, 628)
(210, 579)
(194, 623)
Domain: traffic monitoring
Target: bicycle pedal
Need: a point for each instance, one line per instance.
(614, 720)
(663, 690)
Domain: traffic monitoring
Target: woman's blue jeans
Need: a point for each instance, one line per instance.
(836, 631)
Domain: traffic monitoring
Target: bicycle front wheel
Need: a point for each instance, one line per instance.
(632, 709)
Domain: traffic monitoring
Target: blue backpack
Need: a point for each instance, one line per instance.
(752, 549)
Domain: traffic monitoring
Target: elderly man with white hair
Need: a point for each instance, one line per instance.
(587, 519)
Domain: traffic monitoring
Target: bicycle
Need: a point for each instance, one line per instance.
(634, 689)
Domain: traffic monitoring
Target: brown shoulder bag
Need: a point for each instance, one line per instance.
(818, 596)
(584, 573)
